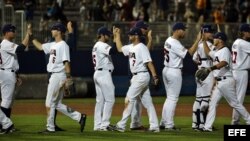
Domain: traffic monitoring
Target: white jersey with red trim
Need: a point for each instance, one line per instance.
(8, 57)
(174, 52)
(101, 57)
(138, 56)
(222, 54)
(59, 52)
(241, 55)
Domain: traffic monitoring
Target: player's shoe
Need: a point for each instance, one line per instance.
(140, 128)
(57, 128)
(162, 127)
(116, 128)
(46, 131)
(10, 129)
(206, 130)
(154, 130)
(172, 129)
(82, 122)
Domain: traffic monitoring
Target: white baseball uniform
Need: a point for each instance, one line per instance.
(105, 89)
(225, 86)
(8, 67)
(204, 88)
(172, 77)
(240, 65)
(139, 56)
(59, 52)
(5, 121)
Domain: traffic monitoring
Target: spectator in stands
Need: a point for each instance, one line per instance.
(29, 6)
(218, 16)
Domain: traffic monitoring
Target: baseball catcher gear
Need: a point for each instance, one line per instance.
(155, 82)
(202, 74)
(68, 87)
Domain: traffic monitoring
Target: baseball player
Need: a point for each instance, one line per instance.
(140, 62)
(174, 52)
(105, 89)
(146, 39)
(7, 125)
(225, 85)
(240, 66)
(204, 88)
(59, 67)
(9, 65)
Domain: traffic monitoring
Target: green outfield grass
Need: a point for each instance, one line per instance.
(29, 125)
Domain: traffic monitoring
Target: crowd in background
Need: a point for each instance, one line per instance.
(147, 10)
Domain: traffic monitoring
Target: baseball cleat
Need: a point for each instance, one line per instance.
(172, 129)
(162, 127)
(82, 122)
(116, 128)
(57, 128)
(154, 130)
(46, 131)
(206, 130)
(139, 128)
(10, 129)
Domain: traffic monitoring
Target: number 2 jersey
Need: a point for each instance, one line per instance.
(241, 54)
(174, 53)
(59, 52)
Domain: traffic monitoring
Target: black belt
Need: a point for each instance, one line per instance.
(101, 69)
(220, 78)
(6, 69)
(139, 72)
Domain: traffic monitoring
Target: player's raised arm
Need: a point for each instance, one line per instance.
(25, 41)
(117, 38)
(37, 44)
(149, 44)
(206, 48)
(194, 47)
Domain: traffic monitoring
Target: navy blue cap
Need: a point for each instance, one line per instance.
(220, 35)
(8, 28)
(178, 25)
(104, 30)
(135, 31)
(141, 24)
(245, 27)
(59, 27)
(207, 28)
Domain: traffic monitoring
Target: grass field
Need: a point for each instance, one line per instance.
(29, 125)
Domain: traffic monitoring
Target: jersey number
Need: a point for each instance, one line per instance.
(1, 61)
(53, 60)
(166, 52)
(94, 60)
(234, 56)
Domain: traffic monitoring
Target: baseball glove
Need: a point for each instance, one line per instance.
(155, 82)
(68, 87)
(202, 74)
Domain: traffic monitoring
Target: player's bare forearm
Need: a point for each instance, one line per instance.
(67, 68)
(37, 44)
(149, 44)
(152, 69)
(194, 47)
(206, 48)
(118, 41)
(25, 41)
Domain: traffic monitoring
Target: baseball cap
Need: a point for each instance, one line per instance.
(207, 28)
(8, 28)
(245, 27)
(59, 27)
(178, 25)
(220, 35)
(104, 30)
(141, 24)
(135, 31)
